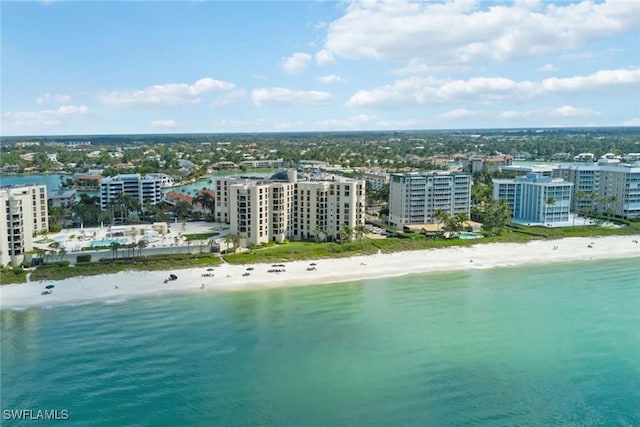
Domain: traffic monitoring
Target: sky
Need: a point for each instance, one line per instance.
(126, 67)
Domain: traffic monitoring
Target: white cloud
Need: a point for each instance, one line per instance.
(324, 57)
(295, 63)
(367, 121)
(165, 95)
(554, 113)
(417, 90)
(632, 122)
(167, 123)
(285, 96)
(595, 80)
(287, 125)
(461, 31)
(459, 113)
(257, 125)
(547, 68)
(569, 111)
(44, 119)
(228, 98)
(356, 122)
(512, 114)
(47, 97)
(330, 79)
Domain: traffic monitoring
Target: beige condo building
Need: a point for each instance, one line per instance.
(264, 210)
(24, 214)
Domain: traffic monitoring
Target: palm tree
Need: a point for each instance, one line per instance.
(360, 231)
(141, 245)
(579, 196)
(41, 253)
(345, 234)
(455, 223)
(584, 211)
(610, 210)
(228, 239)
(549, 202)
(114, 248)
(62, 252)
(206, 200)
(442, 217)
(236, 242)
(593, 197)
(181, 209)
(146, 210)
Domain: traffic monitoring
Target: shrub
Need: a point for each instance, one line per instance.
(83, 258)
(54, 228)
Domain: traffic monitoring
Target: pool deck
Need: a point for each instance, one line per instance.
(75, 239)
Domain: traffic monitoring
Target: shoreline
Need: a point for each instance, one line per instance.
(122, 286)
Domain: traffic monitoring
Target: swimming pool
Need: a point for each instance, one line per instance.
(107, 242)
(467, 235)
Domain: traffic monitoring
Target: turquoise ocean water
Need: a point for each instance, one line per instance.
(535, 345)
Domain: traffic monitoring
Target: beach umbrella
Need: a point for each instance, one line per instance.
(313, 263)
(49, 286)
(209, 269)
(249, 268)
(173, 277)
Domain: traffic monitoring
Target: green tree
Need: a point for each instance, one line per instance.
(141, 245)
(236, 242)
(551, 201)
(345, 234)
(360, 231)
(115, 246)
(496, 216)
(182, 209)
(228, 240)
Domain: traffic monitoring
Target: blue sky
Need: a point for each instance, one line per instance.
(92, 67)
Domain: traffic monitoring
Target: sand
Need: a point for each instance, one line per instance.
(122, 286)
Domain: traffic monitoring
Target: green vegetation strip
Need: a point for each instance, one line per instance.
(199, 236)
(303, 251)
(12, 275)
(62, 270)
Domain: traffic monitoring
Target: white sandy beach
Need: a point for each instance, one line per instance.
(124, 285)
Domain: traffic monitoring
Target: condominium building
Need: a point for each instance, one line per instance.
(377, 180)
(262, 164)
(586, 179)
(166, 181)
(263, 210)
(23, 214)
(608, 185)
(142, 188)
(61, 198)
(535, 198)
(415, 197)
(490, 164)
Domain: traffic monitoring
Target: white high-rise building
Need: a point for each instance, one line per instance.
(535, 198)
(142, 188)
(415, 197)
(23, 214)
(607, 185)
(267, 210)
